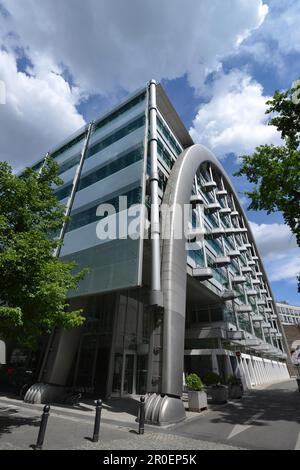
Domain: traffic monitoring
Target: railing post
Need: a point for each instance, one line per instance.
(97, 421)
(43, 427)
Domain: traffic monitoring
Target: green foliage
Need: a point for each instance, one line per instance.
(194, 383)
(233, 380)
(211, 378)
(275, 170)
(34, 283)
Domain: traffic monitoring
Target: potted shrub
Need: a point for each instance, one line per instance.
(196, 392)
(218, 391)
(235, 389)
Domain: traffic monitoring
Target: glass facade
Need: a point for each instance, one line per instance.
(113, 167)
(119, 348)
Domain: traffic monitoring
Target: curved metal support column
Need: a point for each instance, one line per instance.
(178, 193)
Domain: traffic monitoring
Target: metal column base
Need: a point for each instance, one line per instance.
(42, 393)
(163, 409)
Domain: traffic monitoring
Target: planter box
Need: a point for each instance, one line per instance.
(197, 400)
(219, 394)
(235, 391)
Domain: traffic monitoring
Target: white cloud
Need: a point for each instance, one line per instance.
(115, 44)
(234, 119)
(106, 47)
(39, 112)
(279, 250)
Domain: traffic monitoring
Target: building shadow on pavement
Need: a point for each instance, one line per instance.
(258, 407)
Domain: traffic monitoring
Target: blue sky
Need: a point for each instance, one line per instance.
(64, 62)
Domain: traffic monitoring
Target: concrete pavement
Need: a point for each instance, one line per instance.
(263, 419)
(19, 427)
(268, 418)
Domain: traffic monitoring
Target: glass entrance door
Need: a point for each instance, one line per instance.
(124, 380)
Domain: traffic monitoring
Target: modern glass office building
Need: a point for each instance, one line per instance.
(157, 305)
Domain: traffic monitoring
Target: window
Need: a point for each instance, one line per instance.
(117, 135)
(89, 215)
(165, 155)
(64, 192)
(121, 110)
(112, 167)
(68, 145)
(69, 164)
(167, 134)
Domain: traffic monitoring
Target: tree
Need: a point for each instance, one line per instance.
(275, 170)
(34, 283)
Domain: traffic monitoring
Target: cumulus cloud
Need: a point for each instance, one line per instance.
(282, 26)
(234, 119)
(104, 48)
(279, 250)
(111, 44)
(39, 112)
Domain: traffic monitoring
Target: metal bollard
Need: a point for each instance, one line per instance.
(142, 416)
(97, 421)
(43, 427)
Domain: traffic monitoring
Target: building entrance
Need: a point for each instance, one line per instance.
(124, 380)
(92, 364)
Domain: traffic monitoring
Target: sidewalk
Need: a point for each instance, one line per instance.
(120, 412)
(265, 418)
(71, 429)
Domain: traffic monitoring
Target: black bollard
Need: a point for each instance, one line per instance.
(142, 416)
(43, 427)
(97, 421)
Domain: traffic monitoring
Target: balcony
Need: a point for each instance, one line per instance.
(263, 291)
(251, 263)
(246, 269)
(259, 274)
(257, 318)
(238, 279)
(242, 249)
(273, 316)
(269, 299)
(266, 325)
(221, 192)
(268, 310)
(273, 330)
(251, 292)
(222, 261)
(251, 342)
(216, 232)
(230, 230)
(248, 245)
(225, 210)
(264, 347)
(243, 308)
(229, 295)
(196, 234)
(235, 335)
(234, 254)
(261, 302)
(255, 282)
(195, 200)
(209, 185)
(234, 213)
(202, 274)
(212, 207)
(255, 258)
